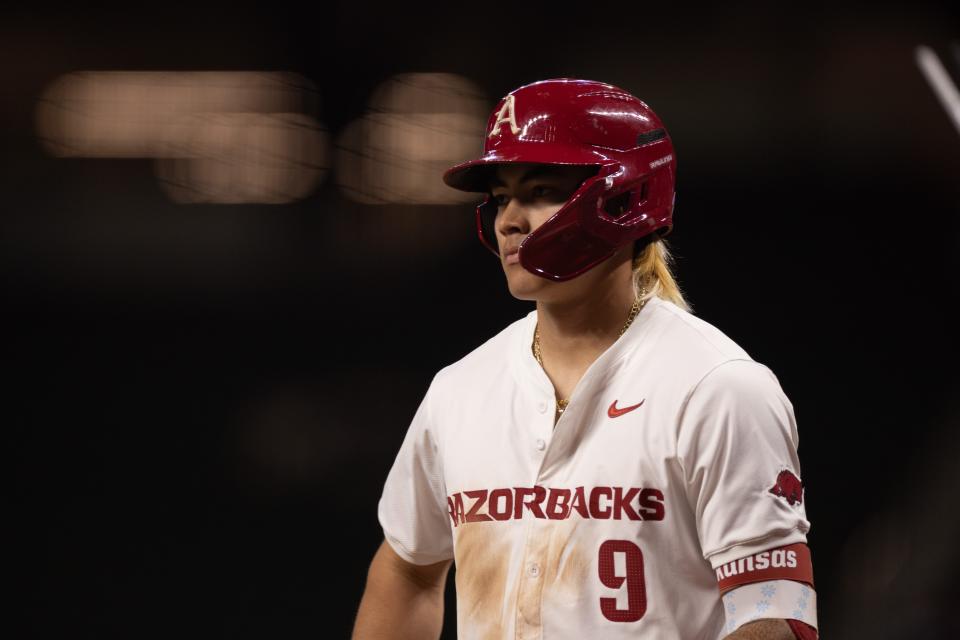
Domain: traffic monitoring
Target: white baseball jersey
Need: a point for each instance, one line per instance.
(661, 473)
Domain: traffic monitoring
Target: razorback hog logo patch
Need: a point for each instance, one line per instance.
(789, 487)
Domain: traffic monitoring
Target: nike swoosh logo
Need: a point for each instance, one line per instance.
(614, 412)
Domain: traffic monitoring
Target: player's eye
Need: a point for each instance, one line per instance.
(541, 191)
(500, 198)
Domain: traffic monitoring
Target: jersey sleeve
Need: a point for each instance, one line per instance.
(737, 446)
(412, 508)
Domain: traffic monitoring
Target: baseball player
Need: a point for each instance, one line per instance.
(608, 466)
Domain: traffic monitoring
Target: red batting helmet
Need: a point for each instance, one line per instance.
(584, 123)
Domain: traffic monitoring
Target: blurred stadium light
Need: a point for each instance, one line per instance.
(418, 125)
(231, 158)
(220, 137)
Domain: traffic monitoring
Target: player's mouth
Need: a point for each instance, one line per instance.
(512, 256)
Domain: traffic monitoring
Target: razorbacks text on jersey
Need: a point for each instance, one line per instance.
(668, 480)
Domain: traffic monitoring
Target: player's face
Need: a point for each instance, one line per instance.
(528, 195)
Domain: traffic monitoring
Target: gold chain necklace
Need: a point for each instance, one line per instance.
(638, 303)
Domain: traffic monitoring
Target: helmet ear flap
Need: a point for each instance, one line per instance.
(618, 205)
(621, 204)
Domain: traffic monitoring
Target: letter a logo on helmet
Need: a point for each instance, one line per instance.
(579, 123)
(506, 114)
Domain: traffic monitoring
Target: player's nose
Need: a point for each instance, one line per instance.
(513, 218)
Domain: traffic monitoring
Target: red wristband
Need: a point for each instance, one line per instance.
(791, 562)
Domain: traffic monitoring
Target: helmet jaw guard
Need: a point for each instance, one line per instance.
(584, 232)
(577, 122)
(563, 247)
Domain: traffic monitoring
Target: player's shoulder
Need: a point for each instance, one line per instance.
(693, 336)
(709, 358)
(688, 349)
(487, 361)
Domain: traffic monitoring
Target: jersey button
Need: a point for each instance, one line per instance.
(542, 407)
(534, 571)
(541, 445)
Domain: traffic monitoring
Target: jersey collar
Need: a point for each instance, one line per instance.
(530, 375)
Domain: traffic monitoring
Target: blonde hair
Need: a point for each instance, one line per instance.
(651, 272)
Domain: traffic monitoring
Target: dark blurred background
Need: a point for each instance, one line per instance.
(226, 292)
